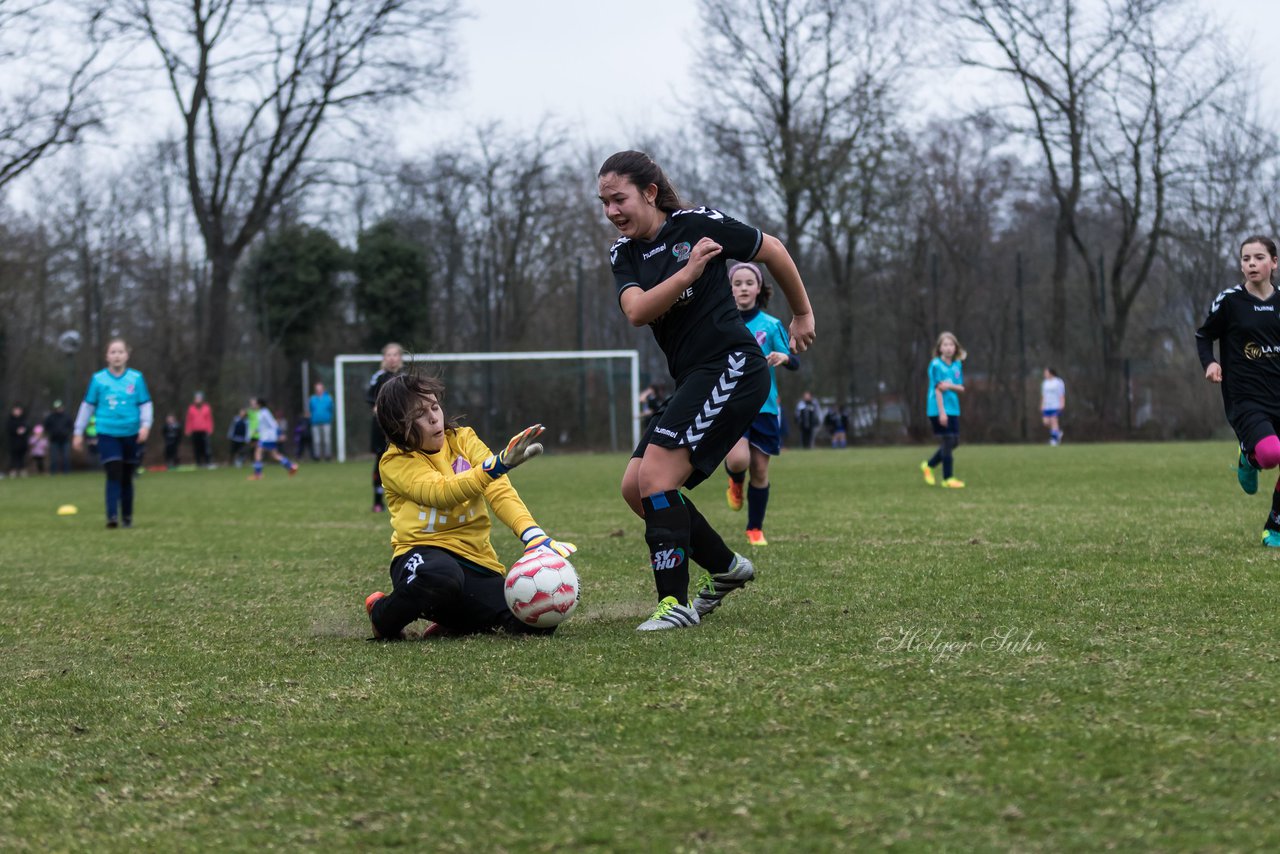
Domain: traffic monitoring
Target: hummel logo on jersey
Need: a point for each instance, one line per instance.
(1264, 308)
(664, 431)
(719, 394)
(667, 559)
(654, 251)
(710, 213)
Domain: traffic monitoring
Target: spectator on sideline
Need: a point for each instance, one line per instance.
(171, 432)
(837, 424)
(18, 439)
(57, 426)
(808, 417)
(238, 435)
(392, 365)
(199, 426)
(38, 447)
(320, 408)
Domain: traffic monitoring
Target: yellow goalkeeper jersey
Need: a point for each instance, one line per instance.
(439, 499)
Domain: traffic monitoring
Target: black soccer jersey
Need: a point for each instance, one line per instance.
(1247, 330)
(704, 323)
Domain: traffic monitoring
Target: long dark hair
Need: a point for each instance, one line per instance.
(639, 168)
(400, 402)
(1264, 240)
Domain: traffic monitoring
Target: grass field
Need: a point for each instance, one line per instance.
(1077, 652)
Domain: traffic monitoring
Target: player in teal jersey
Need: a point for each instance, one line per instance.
(121, 404)
(763, 438)
(946, 382)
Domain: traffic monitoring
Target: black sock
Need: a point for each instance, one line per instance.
(735, 476)
(707, 548)
(666, 530)
(757, 503)
(1273, 520)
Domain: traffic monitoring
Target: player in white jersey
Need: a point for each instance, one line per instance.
(268, 439)
(1053, 399)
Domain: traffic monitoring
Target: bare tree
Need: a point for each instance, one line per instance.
(1057, 56)
(803, 104)
(1142, 150)
(791, 88)
(48, 99)
(257, 85)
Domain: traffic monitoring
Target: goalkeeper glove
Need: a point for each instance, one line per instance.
(536, 538)
(520, 449)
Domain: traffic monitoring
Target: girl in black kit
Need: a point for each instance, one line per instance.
(670, 267)
(1245, 321)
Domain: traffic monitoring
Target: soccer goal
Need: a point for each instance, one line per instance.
(587, 399)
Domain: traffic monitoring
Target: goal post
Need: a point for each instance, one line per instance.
(587, 399)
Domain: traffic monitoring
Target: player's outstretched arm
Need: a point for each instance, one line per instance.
(520, 449)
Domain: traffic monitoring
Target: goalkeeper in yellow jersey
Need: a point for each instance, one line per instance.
(437, 479)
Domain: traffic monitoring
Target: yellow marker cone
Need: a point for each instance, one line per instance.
(67, 510)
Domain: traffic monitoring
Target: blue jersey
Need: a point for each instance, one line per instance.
(772, 337)
(322, 409)
(940, 371)
(117, 401)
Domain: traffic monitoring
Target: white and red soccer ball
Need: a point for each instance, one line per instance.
(542, 589)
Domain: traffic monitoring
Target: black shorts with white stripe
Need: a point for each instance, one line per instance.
(710, 410)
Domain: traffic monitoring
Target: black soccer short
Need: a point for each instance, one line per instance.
(1253, 422)
(710, 410)
(461, 597)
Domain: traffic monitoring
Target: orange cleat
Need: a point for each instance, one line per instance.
(755, 536)
(734, 495)
(369, 602)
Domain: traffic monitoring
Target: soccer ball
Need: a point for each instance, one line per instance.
(542, 589)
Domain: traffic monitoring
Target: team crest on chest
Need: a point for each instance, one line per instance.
(682, 251)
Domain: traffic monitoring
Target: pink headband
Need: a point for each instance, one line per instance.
(752, 267)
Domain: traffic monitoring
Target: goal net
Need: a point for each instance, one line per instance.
(587, 399)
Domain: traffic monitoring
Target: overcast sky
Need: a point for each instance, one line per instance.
(605, 66)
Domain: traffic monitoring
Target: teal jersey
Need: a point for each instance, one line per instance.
(117, 401)
(772, 337)
(940, 371)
